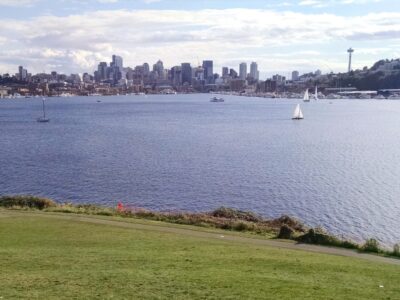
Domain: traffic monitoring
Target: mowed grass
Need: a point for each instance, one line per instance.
(43, 258)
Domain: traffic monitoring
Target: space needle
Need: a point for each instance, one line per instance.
(350, 51)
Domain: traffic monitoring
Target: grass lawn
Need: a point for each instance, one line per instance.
(43, 258)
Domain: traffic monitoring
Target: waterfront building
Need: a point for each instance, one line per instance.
(237, 85)
(279, 78)
(86, 78)
(74, 78)
(267, 86)
(243, 71)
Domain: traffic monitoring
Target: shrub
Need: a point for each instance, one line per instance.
(291, 222)
(240, 226)
(230, 213)
(318, 236)
(104, 213)
(371, 245)
(396, 250)
(26, 201)
(285, 232)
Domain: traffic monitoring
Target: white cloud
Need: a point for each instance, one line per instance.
(107, 1)
(151, 1)
(17, 3)
(327, 3)
(76, 43)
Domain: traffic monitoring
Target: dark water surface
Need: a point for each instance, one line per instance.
(339, 167)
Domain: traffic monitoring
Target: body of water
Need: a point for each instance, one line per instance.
(338, 168)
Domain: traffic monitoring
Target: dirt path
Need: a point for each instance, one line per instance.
(225, 236)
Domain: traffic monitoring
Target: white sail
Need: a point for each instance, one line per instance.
(298, 114)
(306, 96)
(316, 93)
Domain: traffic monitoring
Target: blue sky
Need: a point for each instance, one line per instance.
(305, 35)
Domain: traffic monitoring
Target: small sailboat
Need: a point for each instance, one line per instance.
(43, 119)
(298, 114)
(216, 99)
(306, 97)
(316, 93)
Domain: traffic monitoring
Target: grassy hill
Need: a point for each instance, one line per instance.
(61, 258)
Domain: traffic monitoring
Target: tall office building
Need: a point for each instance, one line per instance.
(225, 72)
(295, 75)
(233, 73)
(22, 73)
(243, 71)
(146, 69)
(198, 73)
(116, 70)
(117, 62)
(102, 71)
(208, 67)
(254, 71)
(158, 68)
(186, 73)
(176, 75)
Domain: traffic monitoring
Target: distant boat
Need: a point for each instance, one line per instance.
(43, 119)
(216, 99)
(316, 93)
(298, 114)
(306, 97)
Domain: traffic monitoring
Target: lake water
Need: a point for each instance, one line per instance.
(338, 168)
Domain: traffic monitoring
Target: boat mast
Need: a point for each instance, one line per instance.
(44, 112)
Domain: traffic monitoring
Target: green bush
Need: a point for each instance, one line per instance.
(371, 245)
(230, 213)
(26, 201)
(293, 223)
(286, 232)
(240, 226)
(318, 236)
(396, 250)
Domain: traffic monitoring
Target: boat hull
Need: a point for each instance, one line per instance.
(41, 120)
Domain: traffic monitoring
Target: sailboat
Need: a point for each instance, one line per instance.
(43, 119)
(316, 93)
(298, 114)
(306, 96)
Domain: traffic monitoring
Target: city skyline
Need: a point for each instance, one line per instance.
(72, 37)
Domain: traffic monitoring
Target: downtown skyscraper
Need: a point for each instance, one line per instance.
(243, 71)
(208, 66)
(254, 73)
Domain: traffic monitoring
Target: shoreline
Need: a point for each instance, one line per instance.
(223, 218)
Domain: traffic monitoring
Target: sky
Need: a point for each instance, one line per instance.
(73, 36)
